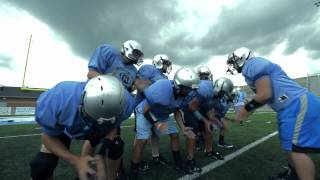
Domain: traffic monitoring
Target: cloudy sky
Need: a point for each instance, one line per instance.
(192, 33)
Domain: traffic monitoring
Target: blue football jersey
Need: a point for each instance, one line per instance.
(284, 89)
(151, 73)
(205, 90)
(106, 59)
(184, 102)
(161, 98)
(225, 106)
(58, 112)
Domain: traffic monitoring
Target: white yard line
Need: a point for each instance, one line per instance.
(227, 158)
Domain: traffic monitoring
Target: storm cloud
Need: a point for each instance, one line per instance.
(157, 25)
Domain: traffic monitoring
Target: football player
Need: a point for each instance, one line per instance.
(153, 112)
(91, 110)
(160, 68)
(204, 74)
(121, 64)
(297, 109)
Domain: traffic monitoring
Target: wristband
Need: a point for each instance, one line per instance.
(158, 125)
(104, 147)
(253, 104)
(198, 115)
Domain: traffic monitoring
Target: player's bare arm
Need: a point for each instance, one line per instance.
(92, 74)
(55, 146)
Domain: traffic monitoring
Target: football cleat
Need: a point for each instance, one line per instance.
(224, 145)
(144, 167)
(192, 167)
(214, 155)
(288, 174)
(160, 160)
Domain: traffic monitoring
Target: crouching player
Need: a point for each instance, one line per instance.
(204, 74)
(206, 106)
(81, 110)
(221, 112)
(160, 69)
(297, 110)
(153, 112)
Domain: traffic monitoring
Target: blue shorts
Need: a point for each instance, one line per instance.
(299, 125)
(144, 127)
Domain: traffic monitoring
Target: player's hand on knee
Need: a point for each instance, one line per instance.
(161, 126)
(211, 125)
(187, 131)
(83, 168)
(242, 115)
(210, 128)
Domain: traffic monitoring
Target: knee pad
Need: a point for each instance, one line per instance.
(43, 165)
(94, 142)
(116, 149)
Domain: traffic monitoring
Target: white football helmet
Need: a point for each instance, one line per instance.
(204, 73)
(132, 50)
(186, 77)
(103, 99)
(222, 87)
(237, 59)
(162, 61)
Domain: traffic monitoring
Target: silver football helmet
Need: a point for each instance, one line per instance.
(234, 94)
(204, 73)
(103, 99)
(237, 59)
(222, 87)
(186, 77)
(132, 50)
(162, 61)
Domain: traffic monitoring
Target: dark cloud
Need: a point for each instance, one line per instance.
(85, 24)
(263, 25)
(5, 61)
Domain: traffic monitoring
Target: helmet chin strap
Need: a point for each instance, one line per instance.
(176, 91)
(126, 60)
(239, 69)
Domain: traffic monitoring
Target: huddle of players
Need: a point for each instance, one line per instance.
(198, 105)
(94, 110)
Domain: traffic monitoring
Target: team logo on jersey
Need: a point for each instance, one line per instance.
(282, 98)
(124, 75)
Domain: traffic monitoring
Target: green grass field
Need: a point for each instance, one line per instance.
(257, 163)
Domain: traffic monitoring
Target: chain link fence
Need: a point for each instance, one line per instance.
(313, 83)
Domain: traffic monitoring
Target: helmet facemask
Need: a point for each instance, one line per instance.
(132, 51)
(222, 88)
(163, 63)
(234, 66)
(204, 73)
(237, 59)
(205, 76)
(166, 66)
